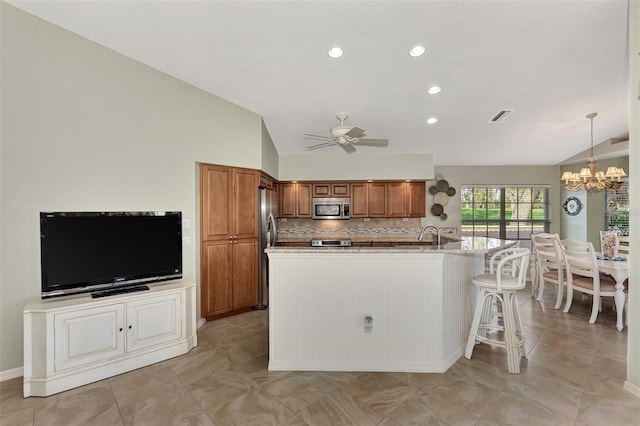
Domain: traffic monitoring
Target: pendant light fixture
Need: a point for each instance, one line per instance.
(590, 178)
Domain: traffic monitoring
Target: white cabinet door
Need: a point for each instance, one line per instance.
(87, 336)
(154, 320)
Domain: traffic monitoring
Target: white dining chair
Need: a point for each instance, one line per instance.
(507, 274)
(583, 275)
(549, 264)
(623, 245)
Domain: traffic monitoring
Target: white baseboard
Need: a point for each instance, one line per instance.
(632, 389)
(11, 374)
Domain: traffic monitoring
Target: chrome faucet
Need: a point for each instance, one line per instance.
(432, 226)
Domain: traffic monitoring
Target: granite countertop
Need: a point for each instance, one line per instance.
(466, 244)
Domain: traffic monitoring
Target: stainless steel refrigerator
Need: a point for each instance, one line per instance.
(268, 234)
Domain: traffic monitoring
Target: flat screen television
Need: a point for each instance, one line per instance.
(108, 252)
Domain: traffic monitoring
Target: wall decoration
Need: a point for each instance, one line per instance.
(441, 192)
(572, 206)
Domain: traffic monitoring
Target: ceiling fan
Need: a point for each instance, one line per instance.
(346, 137)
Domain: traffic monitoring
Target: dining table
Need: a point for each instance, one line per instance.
(619, 271)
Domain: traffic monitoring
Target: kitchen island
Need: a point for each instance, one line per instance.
(397, 308)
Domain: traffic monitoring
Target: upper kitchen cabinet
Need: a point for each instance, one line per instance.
(229, 198)
(295, 200)
(266, 181)
(406, 199)
(368, 199)
(333, 190)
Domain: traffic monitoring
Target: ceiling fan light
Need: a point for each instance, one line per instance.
(335, 52)
(417, 50)
(434, 90)
(432, 120)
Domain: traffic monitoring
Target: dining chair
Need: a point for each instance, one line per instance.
(584, 276)
(549, 264)
(623, 245)
(507, 274)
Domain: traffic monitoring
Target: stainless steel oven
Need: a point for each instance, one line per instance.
(331, 208)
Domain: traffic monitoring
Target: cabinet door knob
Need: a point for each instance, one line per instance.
(130, 327)
(120, 328)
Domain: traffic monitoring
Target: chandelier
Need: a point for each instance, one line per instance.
(591, 179)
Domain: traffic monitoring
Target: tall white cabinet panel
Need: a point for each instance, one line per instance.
(88, 336)
(153, 321)
(70, 342)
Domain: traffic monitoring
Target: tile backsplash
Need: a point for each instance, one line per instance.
(355, 229)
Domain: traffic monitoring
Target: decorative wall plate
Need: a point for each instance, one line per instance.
(441, 198)
(442, 185)
(572, 206)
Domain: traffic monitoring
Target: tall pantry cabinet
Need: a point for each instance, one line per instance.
(229, 240)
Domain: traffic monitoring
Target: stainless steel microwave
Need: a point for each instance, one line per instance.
(331, 208)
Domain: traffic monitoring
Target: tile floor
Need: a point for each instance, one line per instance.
(573, 376)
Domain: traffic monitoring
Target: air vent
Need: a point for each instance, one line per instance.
(501, 115)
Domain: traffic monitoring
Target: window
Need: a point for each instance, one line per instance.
(617, 209)
(505, 212)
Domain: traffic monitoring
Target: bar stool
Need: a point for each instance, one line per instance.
(507, 275)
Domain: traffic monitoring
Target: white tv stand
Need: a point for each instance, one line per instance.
(70, 342)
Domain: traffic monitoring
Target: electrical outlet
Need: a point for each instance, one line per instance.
(368, 324)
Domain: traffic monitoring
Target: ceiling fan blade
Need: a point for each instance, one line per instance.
(348, 148)
(355, 132)
(320, 145)
(373, 142)
(309, 136)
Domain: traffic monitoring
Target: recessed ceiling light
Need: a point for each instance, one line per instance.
(432, 120)
(416, 51)
(434, 89)
(335, 52)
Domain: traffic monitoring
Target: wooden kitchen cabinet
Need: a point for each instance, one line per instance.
(295, 200)
(229, 240)
(266, 181)
(368, 199)
(416, 199)
(230, 272)
(406, 199)
(331, 189)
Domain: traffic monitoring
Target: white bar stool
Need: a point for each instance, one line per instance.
(507, 275)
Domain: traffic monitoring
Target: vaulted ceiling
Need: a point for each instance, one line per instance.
(551, 62)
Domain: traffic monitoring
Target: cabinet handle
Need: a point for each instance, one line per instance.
(130, 327)
(120, 328)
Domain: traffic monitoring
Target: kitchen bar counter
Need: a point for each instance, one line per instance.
(418, 299)
(459, 244)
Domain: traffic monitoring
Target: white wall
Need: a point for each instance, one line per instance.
(633, 353)
(84, 128)
(357, 166)
(270, 160)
